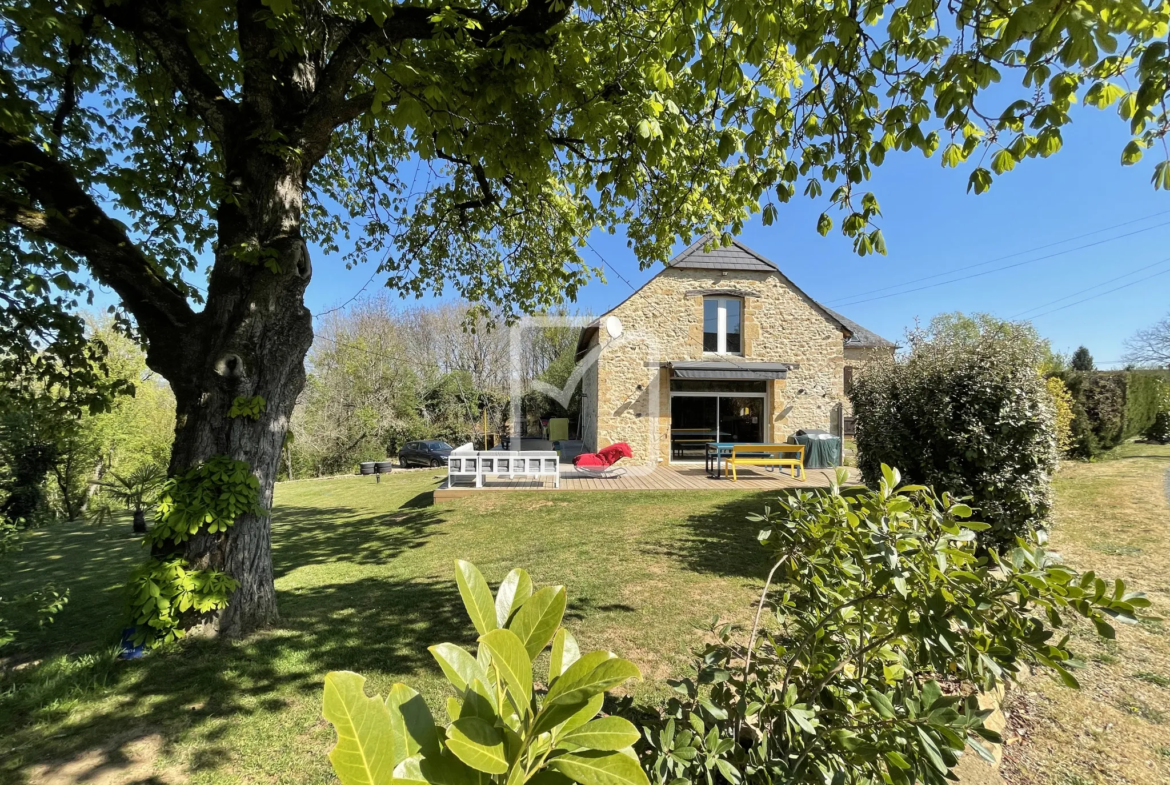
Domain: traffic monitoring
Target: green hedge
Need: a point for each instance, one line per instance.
(1111, 406)
(975, 418)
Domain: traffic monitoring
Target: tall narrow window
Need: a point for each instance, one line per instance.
(848, 379)
(723, 325)
(710, 325)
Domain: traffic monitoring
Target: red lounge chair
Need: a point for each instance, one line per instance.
(601, 463)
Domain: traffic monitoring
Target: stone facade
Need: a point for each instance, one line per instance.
(626, 395)
(856, 358)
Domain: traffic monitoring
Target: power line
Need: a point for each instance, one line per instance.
(1005, 267)
(1088, 289)
(356, 295)
(610, 266)
(1102, 294)
(1001, 258)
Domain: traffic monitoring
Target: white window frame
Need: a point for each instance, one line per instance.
(721, 324)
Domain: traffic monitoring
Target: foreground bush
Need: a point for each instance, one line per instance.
(501, 731)
(967, 413)
(881, 624)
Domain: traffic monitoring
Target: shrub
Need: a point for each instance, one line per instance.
(501, 731)
(973, 416)
(1159, 430)
(1062, 408)
(1143, 397)
(1111, 406)
(882, 623)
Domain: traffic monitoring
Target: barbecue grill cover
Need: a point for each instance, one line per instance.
(819, 452)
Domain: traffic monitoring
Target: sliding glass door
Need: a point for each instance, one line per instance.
(741, 419)
(698, 418)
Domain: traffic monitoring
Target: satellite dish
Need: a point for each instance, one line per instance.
(613, 326)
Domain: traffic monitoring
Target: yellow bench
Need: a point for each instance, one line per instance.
(768, 455)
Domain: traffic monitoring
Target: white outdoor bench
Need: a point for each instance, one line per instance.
(478, 465)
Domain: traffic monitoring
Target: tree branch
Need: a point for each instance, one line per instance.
(330, 107)
(68, 217)
(69, 91)
(149, 23)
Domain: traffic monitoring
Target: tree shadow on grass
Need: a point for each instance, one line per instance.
(196, 692)
(302, 536)
(722, 541)
(192, 695)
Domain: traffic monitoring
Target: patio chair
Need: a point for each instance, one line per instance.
(601, 464)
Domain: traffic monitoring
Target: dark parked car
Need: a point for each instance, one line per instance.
(428, 453)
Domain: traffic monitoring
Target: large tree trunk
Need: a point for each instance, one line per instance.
(254, 334)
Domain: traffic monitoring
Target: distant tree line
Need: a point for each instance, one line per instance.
(381, 375)
(65, 433)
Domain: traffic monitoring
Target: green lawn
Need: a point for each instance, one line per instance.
(1111, 516)
(364, 576)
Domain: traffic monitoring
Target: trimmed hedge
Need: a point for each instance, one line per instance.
(1110, 407)
(975, 418)
(1159, 430)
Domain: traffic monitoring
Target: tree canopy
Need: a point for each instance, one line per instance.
(472, 144)
(1082, 360)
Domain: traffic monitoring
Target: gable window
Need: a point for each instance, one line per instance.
(723, 325)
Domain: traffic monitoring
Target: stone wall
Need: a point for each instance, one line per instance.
(663, 322)
(857, 357)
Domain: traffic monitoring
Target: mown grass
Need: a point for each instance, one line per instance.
(1113, 517)
(364, 576)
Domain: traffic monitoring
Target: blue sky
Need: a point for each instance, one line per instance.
(933, 225)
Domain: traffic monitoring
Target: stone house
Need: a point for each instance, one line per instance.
(862, 346)
(720, 345)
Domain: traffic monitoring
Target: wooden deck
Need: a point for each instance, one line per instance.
(662, 478)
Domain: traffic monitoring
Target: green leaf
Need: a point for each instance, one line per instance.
(478, 701)
(980, 180)
(458, 665)
(581, 682)
(930, 694)
(479, 744)
(442, 769)
(824, 224)
(895, 758)
(1132, 153)
(1161, 178)
(600, 768)
(604, 733)
(515, 589)
(477, 597)
(931, 749)
(513, 663)
(538, 618)
(411, 723)
(881, 704)
(1003, 161)
(564, 653)
(364, 753)
(584, 714)
(1104, 629)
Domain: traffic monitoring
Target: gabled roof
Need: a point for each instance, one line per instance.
(736, 256)
(861, 337)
